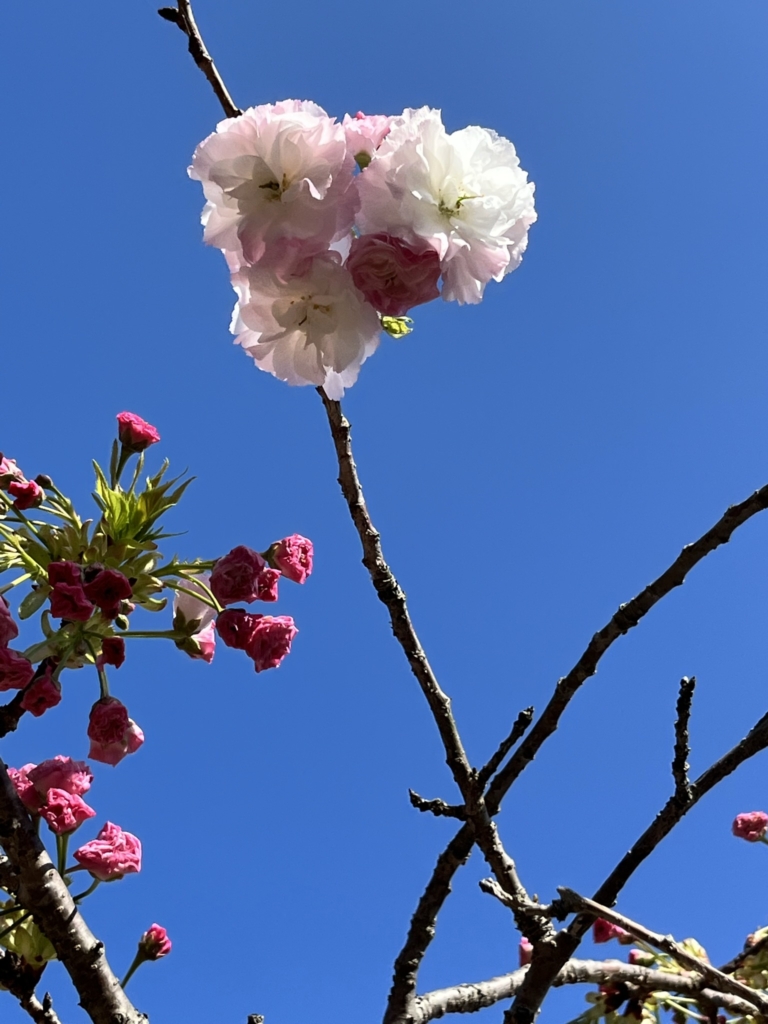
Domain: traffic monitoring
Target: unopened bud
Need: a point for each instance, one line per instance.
(44, 480)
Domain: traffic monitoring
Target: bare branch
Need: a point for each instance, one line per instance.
(422, 929)
(20, 978)
(680, 764)
(185, 19)
(639, 981)
(437, 807)
(522, 722)
(492, 887)
(627, 616)
(10, 714)
(738, 960)
(574, 903)
(42, 890)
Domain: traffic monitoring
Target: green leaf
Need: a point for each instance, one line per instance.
(35, 599)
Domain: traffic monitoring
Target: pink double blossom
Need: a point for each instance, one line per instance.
(111, 855)
(43, 694)
(751, 826)
(61, 772)
(15, 670)
(265, 638)
(112, 733)
(154, 943)
(28, 494)
(134, 433)
(107, 589)
(8, 628)
(26, 789)
(69, 601)
(9, 471)
(393, 276)
(293, 556)
(243, 575)
(64, 812)
(235, 626)
(112, 652)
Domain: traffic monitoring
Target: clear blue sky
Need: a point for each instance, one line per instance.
(531, 463)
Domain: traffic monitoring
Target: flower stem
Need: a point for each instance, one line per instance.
(62, 842)
(124, 456)
(103, 681)
(87, 892)
(167, 634)
(138, 960)
(15, 583)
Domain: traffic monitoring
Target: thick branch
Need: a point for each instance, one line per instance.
(10, 714)
(185, 19)
(639, 981)
(42, 891)
(574, 903)
(627, 616)
(680, 764)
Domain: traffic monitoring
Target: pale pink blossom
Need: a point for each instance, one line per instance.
(154, 943)
(270, 641)
(8, 628)
(188, 607)
(112, 733)
(313, 328)
(751, 826)
(23, 785)
(15, 670)
(111, 855)
(464, 194)
(64, 812)
(365, 133)
(9, 471)
(293, 556)
(394, 277)
(61, 773)
(201, 645)
(278, 173)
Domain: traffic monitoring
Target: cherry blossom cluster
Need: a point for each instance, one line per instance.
(334, 230)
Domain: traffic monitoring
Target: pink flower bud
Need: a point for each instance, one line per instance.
(111, 732)
(135, 433)
(271, 640)
(41, 695)
(28, 794)
(604, 931)
(27, 494)
(64, 812)
(391, 275)
(751, 826)
(112, 652)
(15, 670)
(111, 855)
(236, 626)
(640, 958)
(107, 589)
(61, 773)
(8, 628)
(69, 601)
(293, 556)
(154, 943)
(526, 952)
(236, 577)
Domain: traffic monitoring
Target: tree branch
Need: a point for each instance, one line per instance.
(680, 764)
(626, 618)
(10, 714)
(639, 981)
(42, 890)
(522, 722)
(437, 807)
(183, 17)
(574, 903)
(20, 979)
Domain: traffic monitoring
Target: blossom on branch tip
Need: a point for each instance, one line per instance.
(8, 628)
(111, 855)
(69, 601)
(26, 789)
(604, 931)
(464, 194)
(154, 943)
(293, 556)
(15, 670)
(112, 652)
(314, 327)
(237, 576)
(28, 494)
(270, 641)
(61, 773)
(277, 173)
(112, 733)
(107, 589)
(394, 277)
(751, 826)
(41, 695)
(134, 433)
(64, 812)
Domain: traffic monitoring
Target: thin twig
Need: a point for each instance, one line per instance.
(42, 888)
(574, 903)
(680, 764)
(639, 981)
(522, 722)
(21, 979)
(492, 887)
(626, 618)
(738, 960)
(183, 17)
(437, 807)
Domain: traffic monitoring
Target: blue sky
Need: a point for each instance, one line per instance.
(530, 462)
